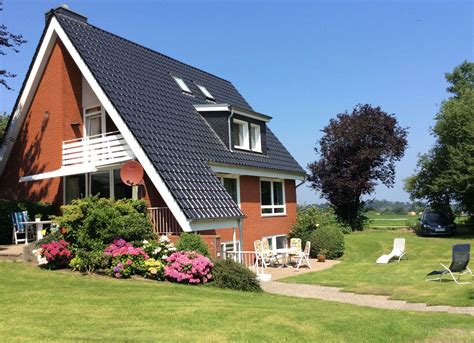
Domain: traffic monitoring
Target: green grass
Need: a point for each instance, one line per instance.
(39, 305)
(405, 280)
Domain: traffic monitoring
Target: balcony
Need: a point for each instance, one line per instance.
(163, 221)
(99, 150)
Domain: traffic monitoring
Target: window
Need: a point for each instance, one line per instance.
(107, 183)
(100, 184)
(277, 242)
(240, 132)
(205, 92)
(231, 185)
(184, 87)
(75, 188)
(255, 138)
(94, 121)
(121, 190)
(272, 197)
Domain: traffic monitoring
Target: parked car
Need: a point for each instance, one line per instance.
(435, 224)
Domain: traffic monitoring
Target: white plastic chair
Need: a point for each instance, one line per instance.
(303, 256)
(397, 253)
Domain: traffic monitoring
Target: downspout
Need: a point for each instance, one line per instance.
(229, 122)
(241, 238)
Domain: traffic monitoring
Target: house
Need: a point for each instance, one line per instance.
(92, 101)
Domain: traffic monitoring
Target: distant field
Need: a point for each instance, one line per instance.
(389, 220)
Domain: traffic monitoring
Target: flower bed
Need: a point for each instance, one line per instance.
(54, 255)
(188, 267)
(126, 259)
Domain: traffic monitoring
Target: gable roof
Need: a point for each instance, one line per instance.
(174, 136)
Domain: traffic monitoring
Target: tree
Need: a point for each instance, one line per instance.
(445, 175)
(357, 151)
(3, 125)
(8, 41)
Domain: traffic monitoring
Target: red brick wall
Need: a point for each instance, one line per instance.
(38, 147)
(254, 225)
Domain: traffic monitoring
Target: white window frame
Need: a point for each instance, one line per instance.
(274, 238)
(86, 116)
(272, 206)
(205, 92)
(182, 85)
(257, 140)
(230, 176)
(245, 134)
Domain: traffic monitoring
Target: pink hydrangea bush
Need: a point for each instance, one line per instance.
(126, 259)
(188, 267)
(57, 254)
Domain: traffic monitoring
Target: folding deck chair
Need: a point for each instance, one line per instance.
(460, 260)
(397, 253)
(19, 228)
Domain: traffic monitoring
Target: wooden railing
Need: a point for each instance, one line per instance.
(98, 150)
(163, 221)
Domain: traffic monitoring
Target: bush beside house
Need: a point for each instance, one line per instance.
(322, 229)
(233, 275)
(192, 242)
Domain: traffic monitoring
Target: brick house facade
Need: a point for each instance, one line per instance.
(51, 116)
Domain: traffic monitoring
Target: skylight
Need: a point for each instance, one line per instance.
(184, 87)
(205, 92)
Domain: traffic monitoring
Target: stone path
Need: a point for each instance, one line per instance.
(335, 294)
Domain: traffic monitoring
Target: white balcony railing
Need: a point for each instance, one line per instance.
(98, 150)
(164, 222)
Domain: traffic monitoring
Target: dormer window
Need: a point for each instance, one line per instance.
(205, 92)
(240, 132)
(255, 138)
(184, 87)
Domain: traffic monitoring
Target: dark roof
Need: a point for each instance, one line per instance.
(172, 133)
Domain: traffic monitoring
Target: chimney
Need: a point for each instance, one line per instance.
(65, 11)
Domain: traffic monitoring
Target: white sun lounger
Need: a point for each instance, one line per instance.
(397, 253)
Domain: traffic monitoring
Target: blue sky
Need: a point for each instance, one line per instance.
(301, 62)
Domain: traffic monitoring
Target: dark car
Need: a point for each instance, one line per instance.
(436, 224)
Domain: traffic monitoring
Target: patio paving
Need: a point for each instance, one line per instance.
(281, 273)
(11, 252)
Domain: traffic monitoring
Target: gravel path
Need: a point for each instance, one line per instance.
(335, 294)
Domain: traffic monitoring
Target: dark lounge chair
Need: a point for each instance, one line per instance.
(460, 260)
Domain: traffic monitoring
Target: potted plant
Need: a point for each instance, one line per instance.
(38, 217)
(322, 255)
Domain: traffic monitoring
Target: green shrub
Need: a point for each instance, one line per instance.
(9, 206)
(192, 242)
(89, 261)
(233, 275)
(309, 219)
(328, 238)
(93, 223)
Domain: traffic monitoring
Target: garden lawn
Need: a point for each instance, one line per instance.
(405, 280)
(39, 305)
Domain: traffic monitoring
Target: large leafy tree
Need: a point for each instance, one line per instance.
(357, 151)
(445, 175)
(8, 42)
(3, 125)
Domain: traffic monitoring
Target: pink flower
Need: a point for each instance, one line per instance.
(129, 262)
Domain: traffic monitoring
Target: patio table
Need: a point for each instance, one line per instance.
(39, 227)
(285, 252)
